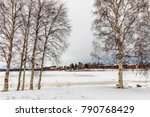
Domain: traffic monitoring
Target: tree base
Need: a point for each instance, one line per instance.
(4, 90)
(119, 87)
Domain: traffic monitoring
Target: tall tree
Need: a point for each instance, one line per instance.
(38, 20)
(142, 45)
(115, 28)
(9, 24)
(57, 28)
(26, 19)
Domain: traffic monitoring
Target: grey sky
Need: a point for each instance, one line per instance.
(80, 14)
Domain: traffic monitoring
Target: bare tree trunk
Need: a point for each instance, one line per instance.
(21, 64)
(32, 73)
(27, 32)
(25, 60)
(24, 73)
(33, 54)
(37, 28)
(6, 81)
(25, 63)
(120, 70)
(41, 70)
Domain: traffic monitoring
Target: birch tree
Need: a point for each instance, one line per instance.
(115, 28)
(142, 45)
(38, 15)
(9, 24)
(25, 29)
(56, 30)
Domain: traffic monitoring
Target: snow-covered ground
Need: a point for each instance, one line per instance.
(80, 85)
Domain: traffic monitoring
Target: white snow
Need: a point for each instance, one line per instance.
(61, 85)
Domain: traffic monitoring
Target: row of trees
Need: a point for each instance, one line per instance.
(93, 65)
(122, 31)
(31, 32)
(98, 65)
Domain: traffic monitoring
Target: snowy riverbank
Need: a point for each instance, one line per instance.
(80, 85)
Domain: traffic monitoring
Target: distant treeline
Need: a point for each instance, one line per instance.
(106, 66)
(82, 66)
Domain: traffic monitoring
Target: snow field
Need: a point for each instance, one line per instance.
(63, 78)
(62, 85)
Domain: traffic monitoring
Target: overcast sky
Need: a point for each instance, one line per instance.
(80, 15)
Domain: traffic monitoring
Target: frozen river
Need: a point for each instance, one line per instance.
(63, 78)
